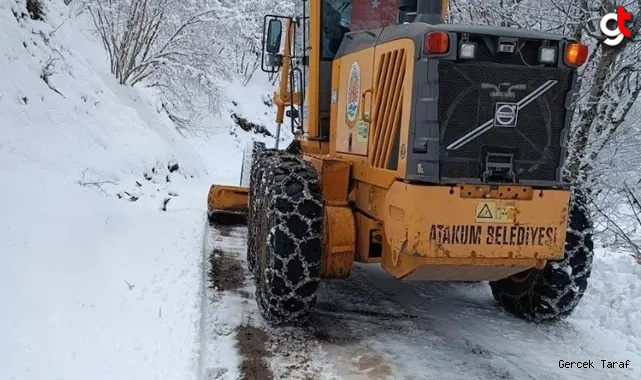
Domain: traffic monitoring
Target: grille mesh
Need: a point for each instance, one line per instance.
(389, 79)
(464, 105)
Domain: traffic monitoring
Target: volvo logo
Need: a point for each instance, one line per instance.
(503, 90)
(506, 115)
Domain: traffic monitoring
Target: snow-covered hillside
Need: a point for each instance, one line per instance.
(102, 226)
(96, 280)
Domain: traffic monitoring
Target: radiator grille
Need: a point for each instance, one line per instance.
(468, 97)
(386, 114)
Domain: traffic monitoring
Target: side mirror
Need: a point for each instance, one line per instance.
(274, 36)
(271, 57)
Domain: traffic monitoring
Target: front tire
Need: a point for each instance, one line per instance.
(552, 293)
(286, 217)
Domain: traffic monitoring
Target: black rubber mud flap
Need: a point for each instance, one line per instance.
(552, 293)
(227, 218)
(285, 236)
(294, 147)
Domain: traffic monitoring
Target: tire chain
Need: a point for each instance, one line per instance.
(257, 148)
(556, 289)
(285, 231)
(255, 203)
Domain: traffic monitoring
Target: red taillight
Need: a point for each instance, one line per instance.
(436, 43)
(576, 54)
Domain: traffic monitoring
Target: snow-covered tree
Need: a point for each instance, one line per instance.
(243, 33)
(168, 44)
(184, 48)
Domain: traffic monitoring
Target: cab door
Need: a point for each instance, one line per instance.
(353, 96)
(353, 90)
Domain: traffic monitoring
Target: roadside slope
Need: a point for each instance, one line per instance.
(103, 211)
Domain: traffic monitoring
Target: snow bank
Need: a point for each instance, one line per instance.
(611, 303)
(79, 117)
(95, 287)
(252, 103)
(102, 220)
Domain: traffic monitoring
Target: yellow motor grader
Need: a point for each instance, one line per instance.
(433, 149)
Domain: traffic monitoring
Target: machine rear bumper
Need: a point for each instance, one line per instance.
(430, 269)
(508, 224)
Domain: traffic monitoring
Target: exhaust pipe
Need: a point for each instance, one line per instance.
(427, 11)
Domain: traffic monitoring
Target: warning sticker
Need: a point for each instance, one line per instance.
(485, 212)
(491, 212)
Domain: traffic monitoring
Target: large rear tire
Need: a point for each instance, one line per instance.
(285, 231)
(552, 293)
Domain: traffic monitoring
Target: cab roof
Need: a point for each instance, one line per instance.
(499, 31)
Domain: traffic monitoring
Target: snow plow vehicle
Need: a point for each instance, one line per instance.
(432, 149)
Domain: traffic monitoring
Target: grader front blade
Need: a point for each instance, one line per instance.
(228, 204)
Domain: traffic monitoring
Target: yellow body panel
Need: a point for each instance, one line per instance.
(394, 68)
(339, 230)
(313, 146)
(354, 102)
(439, 233)
(311, 99)
(335, 175)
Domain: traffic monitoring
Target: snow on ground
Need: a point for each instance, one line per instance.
(611, 304)
(373, 327)
(92, 286)
(95, 287)
(102, 229)
(96, 281)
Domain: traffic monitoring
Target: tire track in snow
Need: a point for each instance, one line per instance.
(221, 311)
(459, 332)
(290, 349)
(203, 341)
(372, 327)
(294, 352)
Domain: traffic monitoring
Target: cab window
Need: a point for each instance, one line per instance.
(336, 20)
(342, 16)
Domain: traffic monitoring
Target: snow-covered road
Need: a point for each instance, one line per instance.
(373, 327)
